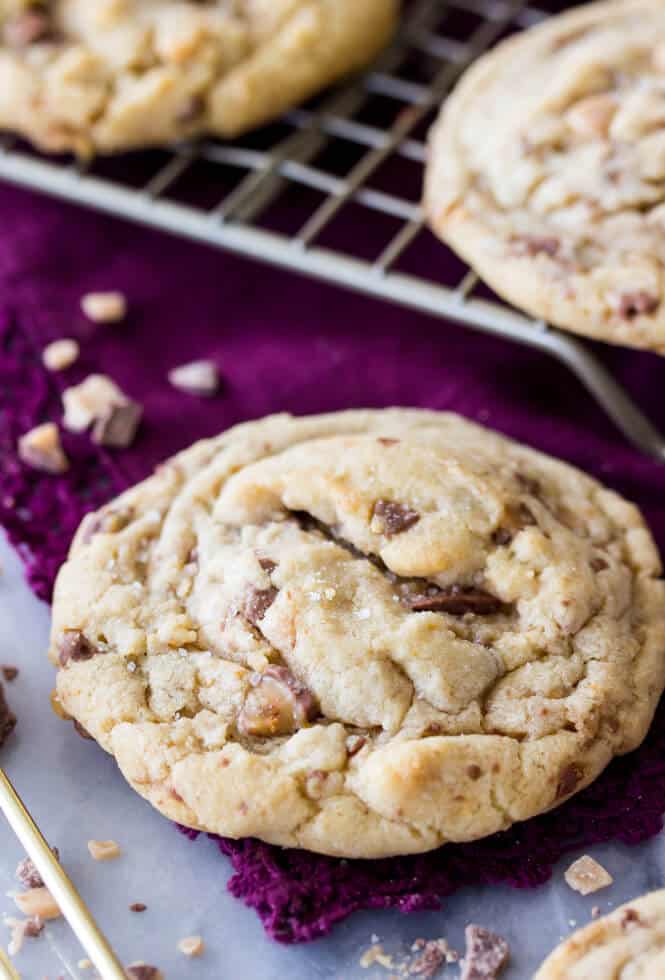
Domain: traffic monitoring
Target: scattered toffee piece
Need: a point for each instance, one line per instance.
(7, 718)
(142, 971)
(532, 245)
(9, 673)
(598, 564)
(74, 646)
(456, 600)
(28, 27)
(639, 303)
(137, 907)
(27, 873)
(395, 517)
(486, 954)
(278, 704)
(117, 427)
(569, 778)
(257, 604)
(268, 565)
(434, 953)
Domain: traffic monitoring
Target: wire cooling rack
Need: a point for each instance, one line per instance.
(285, 194)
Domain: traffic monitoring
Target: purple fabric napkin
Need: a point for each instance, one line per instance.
(284, 343)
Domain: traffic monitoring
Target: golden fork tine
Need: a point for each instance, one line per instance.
(7, 971)
(71, 904)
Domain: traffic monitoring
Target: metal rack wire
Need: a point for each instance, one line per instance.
(341, 153)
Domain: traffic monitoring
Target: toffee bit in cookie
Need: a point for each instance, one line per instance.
(385, 441)
(598, 564)
(9, 673)
(587, 876)
(354, 744)
(27, 873)
(390, 517)
(630, 918)
(268, 565)
(31, 26)
(198, 378)
(191, 946)
(104, 850)
(531, 245)
(191, 110)
(74, 646)
(81, 731)
(639, 303)
(109, 307)
(257, 603)
(41, 449)
(278, 704)
(60, 354)
(38, 902)
(143, 971)
(486, 954)
(117, 427)
(474, 772)
(7, 718)
(569, 778)
(138, 907)
(456, 600)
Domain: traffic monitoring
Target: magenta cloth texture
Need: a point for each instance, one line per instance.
(289, 344)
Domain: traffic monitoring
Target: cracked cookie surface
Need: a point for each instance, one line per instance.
(547, 171)
(628, 944)
(106, 75)
(365, 633)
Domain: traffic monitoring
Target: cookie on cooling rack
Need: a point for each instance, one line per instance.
(547, 171)
(364, 633)
(106, 75)
(630, 942)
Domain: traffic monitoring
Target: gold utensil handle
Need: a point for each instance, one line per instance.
(71, 904)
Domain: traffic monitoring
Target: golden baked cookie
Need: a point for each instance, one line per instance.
(365, 633)
(547, 171)
(105, 75)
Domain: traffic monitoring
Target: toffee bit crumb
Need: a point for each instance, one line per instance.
(456, 600)
(22, 929)
(9, 673)
(585, 875)
(60, 354)
(198, 378)
(486, 954)
(433, 955)
(569, 778)
(117, 426)
(143, 971)
(38, 902)
(104, 850)
(375, 954)
(109, 307)
(27, 873)
(85, 964)
(41, 449)
(191, 946)
(138, 907)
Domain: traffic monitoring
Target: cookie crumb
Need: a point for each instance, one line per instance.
(375, 954)
(586, 875)
(41, 449)
(38, 902)
(104, 850)
(109, 307)
(198, 378)
(60, 354)
(486, 954)
(9, 673)
(191, 946)
(137, 907)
